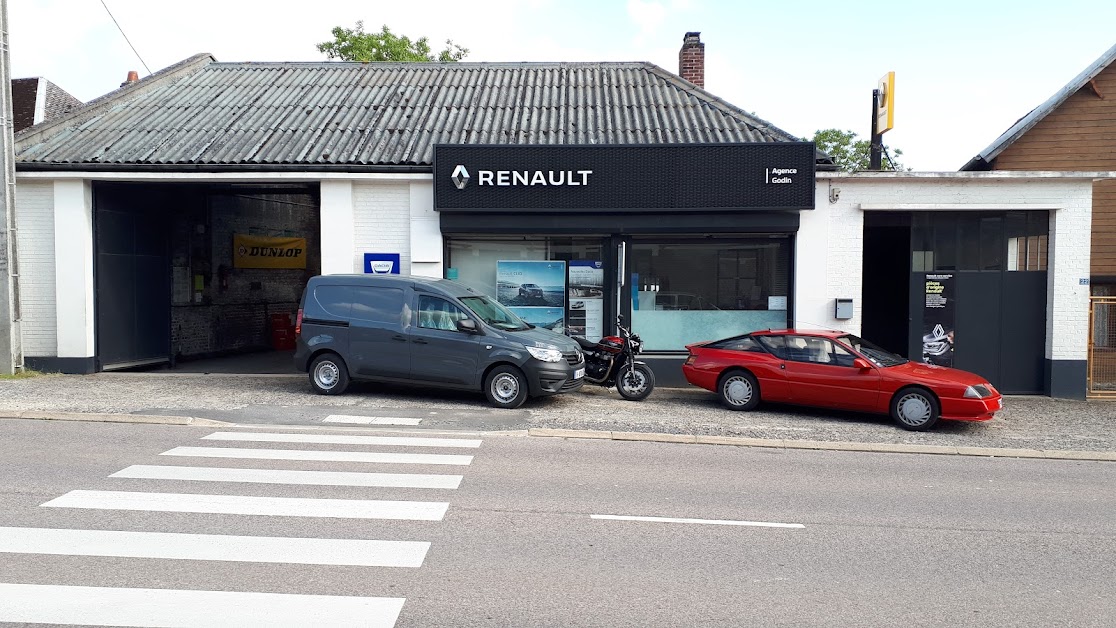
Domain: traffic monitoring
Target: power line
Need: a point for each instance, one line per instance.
(126, 37)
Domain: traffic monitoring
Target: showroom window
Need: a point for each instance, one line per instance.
(980, 241)
(690, 290)
(551, 282)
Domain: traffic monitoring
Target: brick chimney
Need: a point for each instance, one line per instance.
(133, 77)
(691, 59)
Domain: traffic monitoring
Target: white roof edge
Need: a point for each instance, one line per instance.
(989, 174)
(1028, 121)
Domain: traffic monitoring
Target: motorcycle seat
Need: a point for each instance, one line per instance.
(587, 345)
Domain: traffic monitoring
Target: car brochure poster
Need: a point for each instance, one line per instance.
(937, 321)
(586, 313)
(534, 289)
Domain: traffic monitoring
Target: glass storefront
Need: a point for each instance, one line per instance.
(690, 290)
(682, 289)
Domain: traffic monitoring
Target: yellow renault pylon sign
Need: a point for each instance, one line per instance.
(261, 252)
(885, 106)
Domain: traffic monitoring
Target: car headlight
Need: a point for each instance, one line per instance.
(546, 355)
(980, 391)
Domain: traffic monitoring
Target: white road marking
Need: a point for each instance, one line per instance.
(285, 476)
(250, 549)
(247, 505)
(33, 603)
(330, 456)
(715, 522)
(370, 420)
(335, 439)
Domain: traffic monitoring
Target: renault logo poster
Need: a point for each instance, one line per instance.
(263, 252)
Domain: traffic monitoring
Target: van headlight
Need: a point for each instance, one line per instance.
(546, 355)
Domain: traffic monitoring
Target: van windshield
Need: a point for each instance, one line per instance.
(492, 313)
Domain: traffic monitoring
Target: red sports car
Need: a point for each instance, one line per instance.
(832, 369)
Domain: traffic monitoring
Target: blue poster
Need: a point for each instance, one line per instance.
(531, 283)
(381, 263)
(552, 318)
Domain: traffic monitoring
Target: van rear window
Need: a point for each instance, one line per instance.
(378, 305)
(334, 302)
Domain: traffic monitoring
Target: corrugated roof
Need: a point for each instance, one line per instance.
(984, 159)
(201, 112)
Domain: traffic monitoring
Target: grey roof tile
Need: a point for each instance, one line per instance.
(201, 112)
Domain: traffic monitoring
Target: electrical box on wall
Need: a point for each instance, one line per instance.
(843, 309)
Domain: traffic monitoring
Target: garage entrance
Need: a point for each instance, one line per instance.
(961, 289)
(186, 272)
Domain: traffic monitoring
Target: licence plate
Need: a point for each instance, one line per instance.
(579, 373)
(1000, 403)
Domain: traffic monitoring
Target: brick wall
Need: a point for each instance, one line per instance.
(382, 222)
(34, 210)
(234, 313)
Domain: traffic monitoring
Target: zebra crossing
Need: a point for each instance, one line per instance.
(124, 606)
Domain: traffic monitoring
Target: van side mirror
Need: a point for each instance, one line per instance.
(862, 364)
(467, 325)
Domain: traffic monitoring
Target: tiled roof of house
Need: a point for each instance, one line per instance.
(36, 100)
(204, 113)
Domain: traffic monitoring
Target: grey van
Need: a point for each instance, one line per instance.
(432, 332)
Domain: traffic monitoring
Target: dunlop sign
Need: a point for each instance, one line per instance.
(260, 252)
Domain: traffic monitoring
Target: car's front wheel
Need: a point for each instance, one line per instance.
(738, 390)
(915, 409)
(506, 387)
(328, 374)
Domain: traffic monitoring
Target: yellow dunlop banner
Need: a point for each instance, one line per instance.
(260, 252)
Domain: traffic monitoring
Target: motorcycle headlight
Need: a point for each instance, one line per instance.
(977, 392)
(546, 355)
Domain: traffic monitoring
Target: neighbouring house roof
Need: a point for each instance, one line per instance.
(36, 100)
(201, 113)
(983, 160)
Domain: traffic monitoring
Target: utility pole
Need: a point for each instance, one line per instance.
(875, 148)
(11, 348)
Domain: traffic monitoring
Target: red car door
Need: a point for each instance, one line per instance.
(820, 373)
(769, 370)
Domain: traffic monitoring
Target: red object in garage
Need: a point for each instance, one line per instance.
(282, 332)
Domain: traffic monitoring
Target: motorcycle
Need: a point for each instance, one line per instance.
(612, 362)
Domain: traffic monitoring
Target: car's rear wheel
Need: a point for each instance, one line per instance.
(506, 387)
(738, 390)
(328, 374)
(915, 409)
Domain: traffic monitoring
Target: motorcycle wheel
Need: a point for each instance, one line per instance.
(634, 384)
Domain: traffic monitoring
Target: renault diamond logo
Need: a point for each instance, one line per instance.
(460, 177)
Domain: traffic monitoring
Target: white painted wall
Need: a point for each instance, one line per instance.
(426, 233)
(73, 273)
(381, 223)
(830, 241)
(34, 209)
(337, 227)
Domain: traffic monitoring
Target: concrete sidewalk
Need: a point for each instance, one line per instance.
(1026, 424)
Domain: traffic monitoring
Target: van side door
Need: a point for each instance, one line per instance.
(440, 354)
(378, 342)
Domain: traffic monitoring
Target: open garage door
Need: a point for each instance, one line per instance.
(132, 278)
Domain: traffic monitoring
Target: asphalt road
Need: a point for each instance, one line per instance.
(884, 539)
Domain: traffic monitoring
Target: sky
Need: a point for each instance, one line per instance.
(965, 70)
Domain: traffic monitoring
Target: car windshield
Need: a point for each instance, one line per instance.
(492, 313)
(879, 357)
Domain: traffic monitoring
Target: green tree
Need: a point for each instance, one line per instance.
(356, 45)
(851, 154)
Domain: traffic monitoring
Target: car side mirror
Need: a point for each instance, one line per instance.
(862, 364)
(467, 325)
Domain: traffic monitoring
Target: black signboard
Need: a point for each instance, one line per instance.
(628, 178)
(938, 320)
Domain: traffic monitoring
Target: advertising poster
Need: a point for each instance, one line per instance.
(937, 321)
(262, 252)
(586, 315)
(552, 318)
(535, 290)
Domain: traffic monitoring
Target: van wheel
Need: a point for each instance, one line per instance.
(505, 387)
(328, 374)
